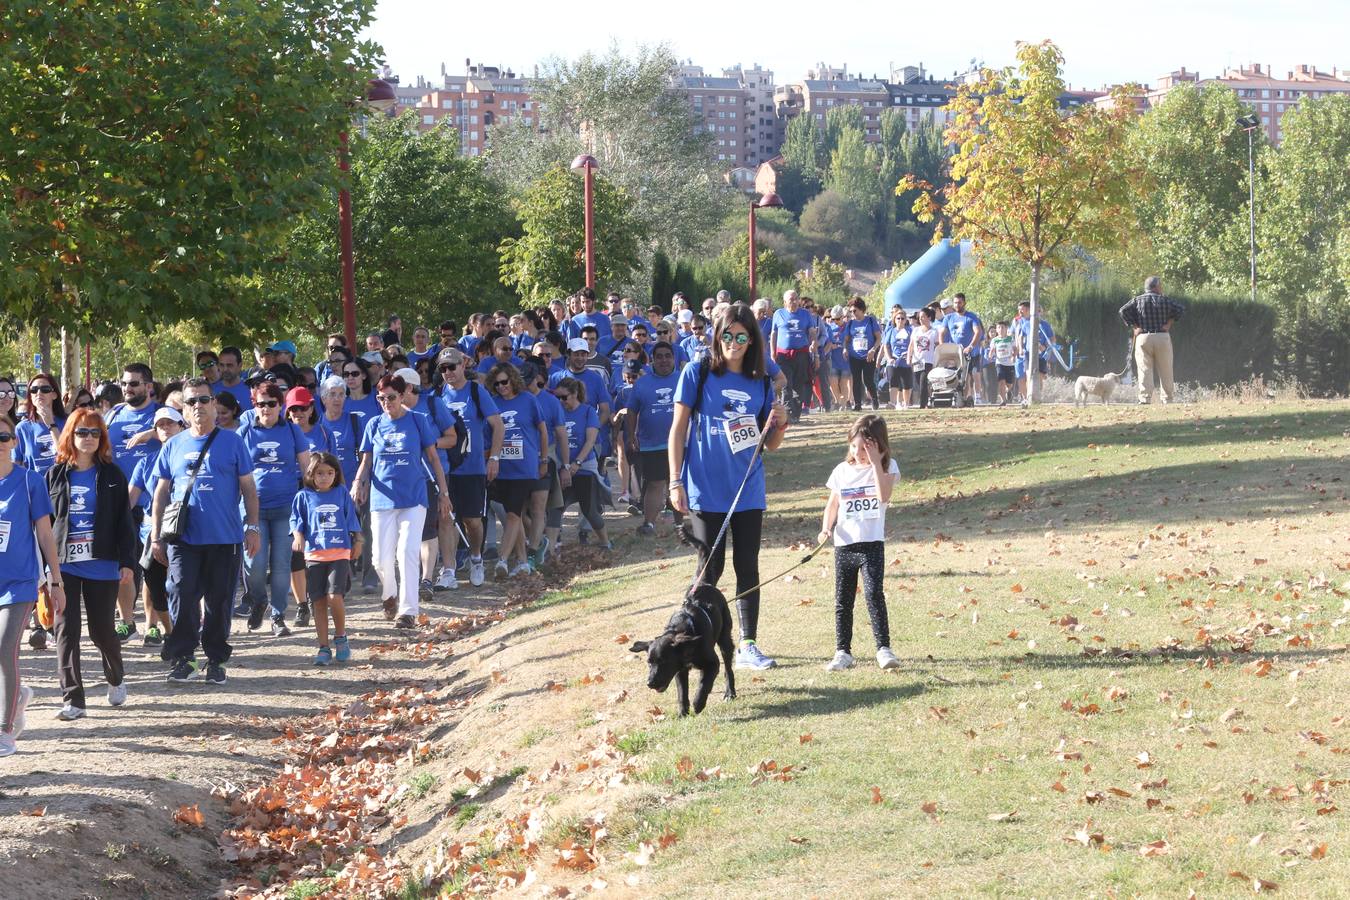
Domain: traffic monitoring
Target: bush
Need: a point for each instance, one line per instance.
(1220, 340)
(838, 223)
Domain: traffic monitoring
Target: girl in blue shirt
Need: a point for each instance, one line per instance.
(712, 446)
(524, 460)
(862, 338)
(895, 354)
(579, 476)
(37, 434)
(327, 530)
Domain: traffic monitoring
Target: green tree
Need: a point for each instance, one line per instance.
(1193, 158)
(769, 266)
(548, 259)
(1027, 176)
(621, 110)
(152, 154)
(1303, 242)
(826, 281)
(922, 153)
(852, 174)
(840, 120)
(804, 162)
(837, 222)
(426, 224)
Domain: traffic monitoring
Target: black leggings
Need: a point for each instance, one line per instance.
(870, 557)
(744, 536)
(99, 599)
(864, 375)
(585, 493)
(921, 384)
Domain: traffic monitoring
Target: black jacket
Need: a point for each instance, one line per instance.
(114, 532)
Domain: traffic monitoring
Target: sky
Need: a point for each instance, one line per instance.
(1102, 43)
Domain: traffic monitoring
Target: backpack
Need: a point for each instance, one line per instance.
(455, 455)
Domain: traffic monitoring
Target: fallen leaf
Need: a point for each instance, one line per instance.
(622, 639)
(1155, 848)
(806, 738)
(36, 812)
(876, 795)
(1318, 852)
(1002, 817)
(190, 815)
(796, 840)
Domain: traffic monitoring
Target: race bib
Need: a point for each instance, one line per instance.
(742, 432)
(860, 503)
(513, 449)
(860, 343)
(80, 550)
(4, 535)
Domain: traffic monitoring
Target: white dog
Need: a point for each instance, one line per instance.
(1103, 387)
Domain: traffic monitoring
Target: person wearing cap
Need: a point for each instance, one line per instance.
(597, 387)
(279, 454)
(420, 402)
(168, 422)
(375, 366)
(285, 353)
(126, 420)
(479, 458)
(612, 345)
(677, 302)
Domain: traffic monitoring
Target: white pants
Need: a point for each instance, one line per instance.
(398, 537)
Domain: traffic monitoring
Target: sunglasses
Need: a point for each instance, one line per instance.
(87, 432)
(202, 400)
(563, 395)
(85, 404)
(352, 373)
(389, 398)
(6, 437)
(304, 409)
(127, 384)
(335, 348)
(501, 382)
(740, 339)
(42, 389)
(266, 404)
(449, 367)
(207, 364)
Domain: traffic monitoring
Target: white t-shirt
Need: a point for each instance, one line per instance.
(923, 342)
(862, 514)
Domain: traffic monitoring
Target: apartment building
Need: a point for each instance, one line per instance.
(736, 109)
(826, 87)
(472, 103)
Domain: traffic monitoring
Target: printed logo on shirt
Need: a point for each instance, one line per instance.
(665, 396)
(394, 442)
(47, 444)
(203, 474)
(77, 498)
(738, 400)
(328, 520)
(269, 452)
(509, 418)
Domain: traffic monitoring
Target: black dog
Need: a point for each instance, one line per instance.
(691, 640)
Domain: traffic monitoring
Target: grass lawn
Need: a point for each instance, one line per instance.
(1123, 638)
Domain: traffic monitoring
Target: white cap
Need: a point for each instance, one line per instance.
(686, 315)
(168, 412)
(578, 345)
(409, 376)
(945, 304)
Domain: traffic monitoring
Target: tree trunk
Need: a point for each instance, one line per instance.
(70, 362)
(44, 345)
(1033, 338)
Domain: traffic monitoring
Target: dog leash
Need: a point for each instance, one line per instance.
(804, 560)
(721, 532)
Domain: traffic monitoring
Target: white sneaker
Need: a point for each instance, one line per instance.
(117, 695)
(476, 575)
(7, 747)
(749, 656)
(446, 580)
(501, 572)
(70, 712)
(886, 659)
(521, 568)
(25, 697)
(842, 660)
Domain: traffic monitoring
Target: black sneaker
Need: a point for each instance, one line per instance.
(153, 637)
(255, 616)
(215, 674)
(125, 631)
(243, 608)
(646, 529)
(405, 622)
(37, 639)
(302, 616)
(183, 671)
(279, 628)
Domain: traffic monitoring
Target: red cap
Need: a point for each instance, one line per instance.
(299, 396)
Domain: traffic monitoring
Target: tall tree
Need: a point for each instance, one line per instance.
(426, 223)
(923, 154)
(840, 120)
(1028, 176)
(804, 162)
(152, 153)
(1193, 158)
(623, 111)
(548, 259)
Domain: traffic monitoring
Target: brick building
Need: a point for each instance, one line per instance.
(472, 103)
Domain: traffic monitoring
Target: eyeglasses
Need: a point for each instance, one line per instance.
(5, 395)
(42, 389)
(563, 395)
(501, 382)
(127, 384)
(6, 437)
(390, 398)
(87, 432)
(206, 364)
(335, 348)
(202, 400)
(266, 404)
(741, 339)
(500, 324)
(449, 367)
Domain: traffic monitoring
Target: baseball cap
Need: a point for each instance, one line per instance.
(299, 396)
(618, 319)
(373, 356)
(686, 315)
(284, 347)
(168, 412)
(945, 304)
(410, 376)
(578, 345)
(449, 355)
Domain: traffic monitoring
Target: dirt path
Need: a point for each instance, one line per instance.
(88, 808)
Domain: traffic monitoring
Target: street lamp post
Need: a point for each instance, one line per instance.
(586, 164)
(769, 200)
(379, 96)
(1249, 124)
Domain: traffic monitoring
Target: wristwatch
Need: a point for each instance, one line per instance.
(496, 457)
(253, 528)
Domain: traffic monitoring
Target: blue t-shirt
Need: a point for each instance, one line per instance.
(766, 329)
(23, 501)
(597, 391)
(486, 363)
(1022, 328)
(365, 409)
(897, 340)
(142, 479)
(653, 403)
(693, 347)
(80, 530)
(415, 357)
(35, 444)
(318, 439)
(612, 349)
(521, 343)
(326, 520)
(730, 404)
(345, 442)
(276, 466)
(961, 328)
(860, 336)
(598, 319)
(551, 410)
(214, 505)
(520, 441)
(239, 389)
(468, 344)
(792, 330)
(576, 422)
(475, 416)
(837, 359)
(124, 423)
(398, 447)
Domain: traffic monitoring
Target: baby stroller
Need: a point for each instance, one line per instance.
(947, 378)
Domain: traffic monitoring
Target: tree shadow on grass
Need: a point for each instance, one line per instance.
(1116, 658)
(808, 700)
